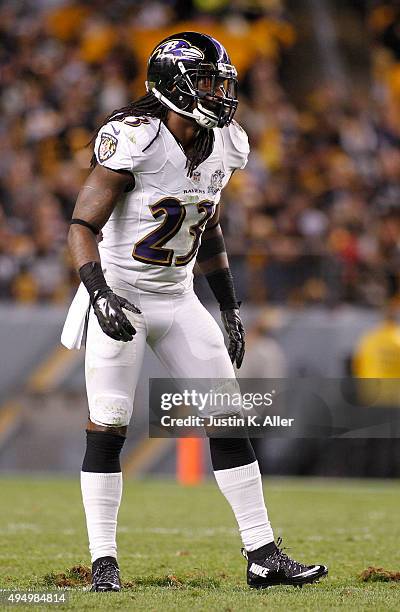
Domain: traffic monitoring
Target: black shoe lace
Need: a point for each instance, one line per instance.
(285, 561)
(106, 572)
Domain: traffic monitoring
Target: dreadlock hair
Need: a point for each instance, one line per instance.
(149, 106)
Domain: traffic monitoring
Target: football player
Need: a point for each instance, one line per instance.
(159, 166)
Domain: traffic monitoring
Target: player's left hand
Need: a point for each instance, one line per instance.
(235, 330)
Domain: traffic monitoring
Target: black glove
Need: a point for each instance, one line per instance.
(112, 320)
(235, 330)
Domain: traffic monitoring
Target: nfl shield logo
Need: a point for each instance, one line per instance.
(196, 177)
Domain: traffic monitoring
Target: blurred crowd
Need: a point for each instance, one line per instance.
(314, 218)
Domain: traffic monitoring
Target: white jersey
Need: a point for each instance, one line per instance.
(152, 237)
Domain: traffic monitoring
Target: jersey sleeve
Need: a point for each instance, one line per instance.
(113, 149)
(236, 146)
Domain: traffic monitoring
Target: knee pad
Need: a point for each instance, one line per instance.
(225, 400)
(102, 452)
(110, 409)
(229, 453)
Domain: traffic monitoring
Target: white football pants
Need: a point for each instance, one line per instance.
(180, 331)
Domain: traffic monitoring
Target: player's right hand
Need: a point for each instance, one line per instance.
(112, 320)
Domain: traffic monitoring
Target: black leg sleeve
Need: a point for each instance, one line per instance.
(231, 452)
(102, 452)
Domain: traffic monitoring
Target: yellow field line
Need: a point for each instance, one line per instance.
(144, 454)
(52, 370)
(9, 415)
(45, 377)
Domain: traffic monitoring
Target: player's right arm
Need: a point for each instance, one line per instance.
(96, 201)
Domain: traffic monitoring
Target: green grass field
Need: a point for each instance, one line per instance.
(179, 548)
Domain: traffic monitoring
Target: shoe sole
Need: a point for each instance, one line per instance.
(104, 589)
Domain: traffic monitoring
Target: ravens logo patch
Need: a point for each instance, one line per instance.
(107, 146)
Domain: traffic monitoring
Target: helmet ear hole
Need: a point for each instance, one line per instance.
(180, 99)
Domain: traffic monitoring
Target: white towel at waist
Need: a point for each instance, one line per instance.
(75, 323)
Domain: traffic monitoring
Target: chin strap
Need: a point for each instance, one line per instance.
(203, 118)
(199, 114)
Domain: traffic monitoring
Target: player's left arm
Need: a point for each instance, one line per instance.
(214, 264)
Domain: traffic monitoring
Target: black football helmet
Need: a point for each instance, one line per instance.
(192, 74)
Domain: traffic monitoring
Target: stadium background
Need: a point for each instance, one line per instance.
(312, 225)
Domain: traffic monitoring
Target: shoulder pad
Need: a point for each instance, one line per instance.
(236, 146)
(119, 144)
(140, 130)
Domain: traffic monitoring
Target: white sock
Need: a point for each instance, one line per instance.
(101, 494)
(242, 487)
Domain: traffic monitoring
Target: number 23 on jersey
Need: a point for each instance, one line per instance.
(151, 249)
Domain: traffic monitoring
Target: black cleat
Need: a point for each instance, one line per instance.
(270, 569)
(105, 575)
